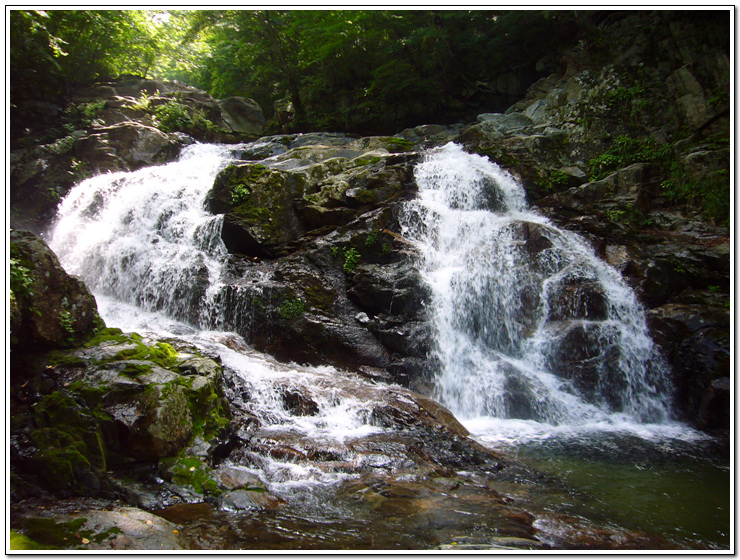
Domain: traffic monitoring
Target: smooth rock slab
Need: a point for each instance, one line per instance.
(139, 530)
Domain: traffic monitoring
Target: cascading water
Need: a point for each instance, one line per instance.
(530, 324)
(145, 237)
(153, 256)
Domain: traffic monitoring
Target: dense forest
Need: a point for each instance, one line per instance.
(361, 71)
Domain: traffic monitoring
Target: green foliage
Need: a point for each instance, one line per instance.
(55, 50)
(360, 70)
(351, 258)
(556, 180)
(67, 324)
(174, 116)
(239, 194)
(614, 215)
(292, 308)
(626, 150)
(710, 195)
(21, 279)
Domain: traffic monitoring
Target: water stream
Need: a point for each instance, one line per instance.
(544, 349)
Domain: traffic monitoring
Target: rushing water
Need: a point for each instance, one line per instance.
(530, 324)
(544, 350)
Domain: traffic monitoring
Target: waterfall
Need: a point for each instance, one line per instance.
(529, 323)
(145, 238)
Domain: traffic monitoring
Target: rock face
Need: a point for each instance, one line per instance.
(118, 400)
(315, 217)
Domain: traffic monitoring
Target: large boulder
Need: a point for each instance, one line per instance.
(126, 146)
(258, 203)
(242, 115)
(50, 308)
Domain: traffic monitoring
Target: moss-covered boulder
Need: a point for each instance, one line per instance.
(121, 399)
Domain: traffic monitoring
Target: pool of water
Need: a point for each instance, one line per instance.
(678, 490)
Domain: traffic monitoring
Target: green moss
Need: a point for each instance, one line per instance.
(136, 369)
(161, 353)
(164, 355)
(63, 359)
(68, 437)
(60, 457)
(366, 160)
(19, 541)
(51, 534)
(320, 296)
(107, 335)
(139, 352)
(396, 145)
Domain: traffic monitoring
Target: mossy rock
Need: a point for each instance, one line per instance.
(258, 203)
(19, 541)
(70, 454)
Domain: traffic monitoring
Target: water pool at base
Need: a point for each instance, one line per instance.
(679, 489)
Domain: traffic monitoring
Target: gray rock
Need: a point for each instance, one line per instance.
(244, 116)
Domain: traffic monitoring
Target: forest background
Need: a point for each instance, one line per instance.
(360, 71)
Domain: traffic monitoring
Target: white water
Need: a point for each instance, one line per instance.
(145, 237)
(511, 295)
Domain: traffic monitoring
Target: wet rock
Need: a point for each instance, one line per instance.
(695, 339)
(249, 499)
(299, 404)
(120, 528)
(583, 355)
(395, 289)
(714, 411)
(577, 299)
